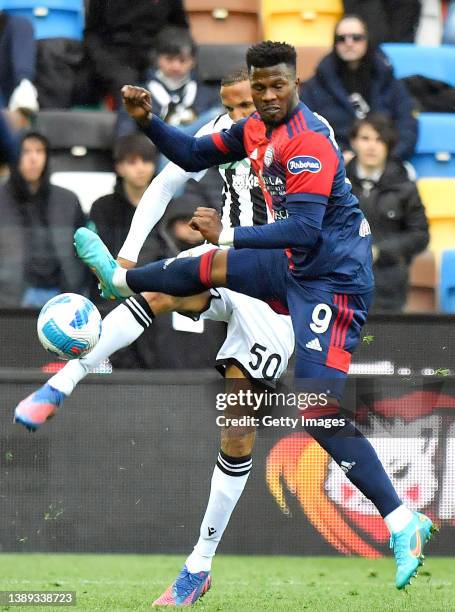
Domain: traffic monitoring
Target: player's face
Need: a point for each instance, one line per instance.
(371, 151)
(136, 171)
(32, 160)
(237, 100)
(274, 91)
(176, 66)
(351, 40)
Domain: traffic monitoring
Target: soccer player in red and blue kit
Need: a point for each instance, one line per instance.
(314, 261)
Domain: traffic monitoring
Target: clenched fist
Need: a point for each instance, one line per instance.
(208, 222)
(138, 102)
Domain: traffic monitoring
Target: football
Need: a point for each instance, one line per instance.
(69, 326)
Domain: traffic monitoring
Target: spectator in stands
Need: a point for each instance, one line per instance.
(111, 215)
(177, 96)
(387, 20)
(355, 79)
(392, 206)
(38, 220)
(17, 64)
(119, 38)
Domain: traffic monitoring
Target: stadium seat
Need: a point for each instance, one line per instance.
(50, 18)
(447, 282)
(79, 140)
(307, 60)
(88, 186)
(432, 62)
(301, 22)
(215, 61)
(224, 21)
(422, 283)
(435, 151)
(438, 196)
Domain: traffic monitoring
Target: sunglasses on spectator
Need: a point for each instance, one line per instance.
(341, 38)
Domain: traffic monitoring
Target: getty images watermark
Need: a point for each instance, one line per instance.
(245, 403)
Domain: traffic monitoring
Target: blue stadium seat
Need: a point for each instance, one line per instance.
(435, 152)
(50, 18)
(432, 62)
(447, 282)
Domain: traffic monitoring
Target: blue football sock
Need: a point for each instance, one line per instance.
(358, 459)
(179, 277)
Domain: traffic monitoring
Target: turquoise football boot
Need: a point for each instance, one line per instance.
(408, 546)
(94, 253)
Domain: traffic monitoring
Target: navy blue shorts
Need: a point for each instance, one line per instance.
(326, 324)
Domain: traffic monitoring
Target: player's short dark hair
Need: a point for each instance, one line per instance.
(173, 41)
(134, 145)
(269, 53)
(382, 124)
(235, 76)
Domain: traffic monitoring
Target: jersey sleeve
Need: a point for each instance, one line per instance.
(311, 163)
(194, 154)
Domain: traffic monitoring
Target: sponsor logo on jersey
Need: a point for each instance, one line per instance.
(304, 163)
(268, 156)
(245, 181)
(281, 214)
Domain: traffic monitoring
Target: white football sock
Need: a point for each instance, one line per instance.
(120, 328)
(398, 518)
(228, 481)
(119, 282)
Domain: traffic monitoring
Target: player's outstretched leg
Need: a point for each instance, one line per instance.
(120, 328)
(178, 277)
(408, 545)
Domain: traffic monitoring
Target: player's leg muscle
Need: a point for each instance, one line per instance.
(237, 441)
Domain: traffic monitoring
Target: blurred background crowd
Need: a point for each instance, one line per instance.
(382, 72)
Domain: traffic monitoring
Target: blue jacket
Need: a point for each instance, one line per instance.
(325, 94)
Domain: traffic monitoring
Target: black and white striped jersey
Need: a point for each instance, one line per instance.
(243, 203)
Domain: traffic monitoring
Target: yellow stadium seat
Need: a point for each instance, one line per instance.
(224, 21)
(438, 196)
(301, 22)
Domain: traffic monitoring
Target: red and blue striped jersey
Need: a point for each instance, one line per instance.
(299, 162)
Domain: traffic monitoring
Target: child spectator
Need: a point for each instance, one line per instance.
(177, 96)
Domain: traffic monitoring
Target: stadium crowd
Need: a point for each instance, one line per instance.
(154, 44)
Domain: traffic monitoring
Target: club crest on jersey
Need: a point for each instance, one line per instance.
(304, 163)
(268, 156)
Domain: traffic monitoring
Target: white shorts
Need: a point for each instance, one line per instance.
(259, 341)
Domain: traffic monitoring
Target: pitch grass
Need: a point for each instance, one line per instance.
(132, 582)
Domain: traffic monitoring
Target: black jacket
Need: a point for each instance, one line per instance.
(399, 229)
(325, 94)
(62, 217)
(121, 32)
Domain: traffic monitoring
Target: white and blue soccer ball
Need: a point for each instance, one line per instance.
(69, 326)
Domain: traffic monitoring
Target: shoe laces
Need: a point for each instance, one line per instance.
(187, 582)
